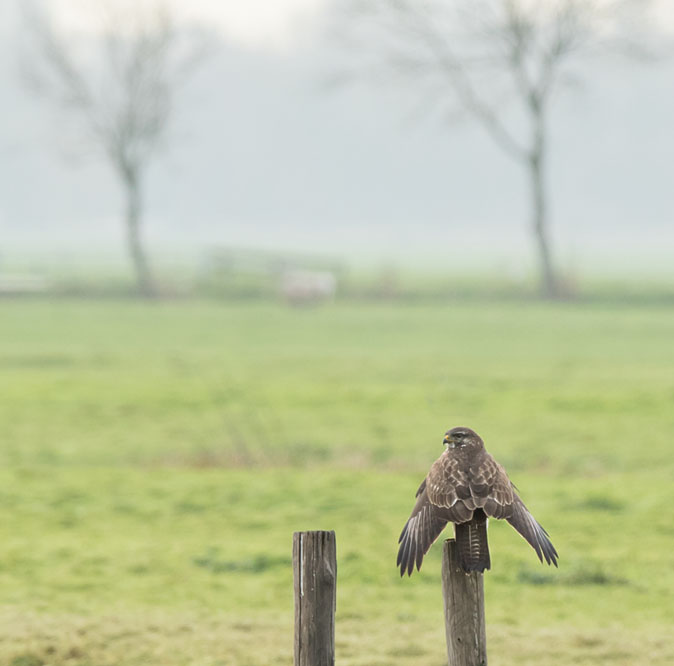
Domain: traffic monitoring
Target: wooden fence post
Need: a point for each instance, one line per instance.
(464, 611)
(315, 580)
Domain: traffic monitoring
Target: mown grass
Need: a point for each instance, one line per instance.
(157, 458)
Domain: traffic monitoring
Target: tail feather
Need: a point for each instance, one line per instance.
(471, 542)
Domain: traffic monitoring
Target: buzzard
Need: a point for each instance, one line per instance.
(466, 486)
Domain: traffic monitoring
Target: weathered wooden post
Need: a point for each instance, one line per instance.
(315, 579)
(464, 611)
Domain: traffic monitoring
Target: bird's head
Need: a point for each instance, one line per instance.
(462, 437)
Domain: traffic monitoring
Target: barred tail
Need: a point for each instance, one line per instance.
(471, 542)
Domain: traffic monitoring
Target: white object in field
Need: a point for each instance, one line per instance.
(308, 287)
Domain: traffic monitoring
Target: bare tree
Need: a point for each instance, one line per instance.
(501, 62)
(117, 87)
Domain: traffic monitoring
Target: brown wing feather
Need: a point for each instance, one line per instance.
(421, 530)
(503, 502)
(439, 500)
(491, 488)
(447, 487)
(532, 531)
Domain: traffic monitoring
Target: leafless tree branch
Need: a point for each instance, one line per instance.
(119, 92)
(494, 57)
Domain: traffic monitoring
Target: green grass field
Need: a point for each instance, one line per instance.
(156, 459)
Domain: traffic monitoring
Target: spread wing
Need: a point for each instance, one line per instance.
(421, 529)
(501, 501)
(532, 531)
(437, 504)
(490, 488)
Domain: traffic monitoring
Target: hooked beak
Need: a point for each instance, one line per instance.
(447, 440)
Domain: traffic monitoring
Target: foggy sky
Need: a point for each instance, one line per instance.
(263, 156)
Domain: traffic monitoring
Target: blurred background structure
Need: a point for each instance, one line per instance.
(503, 65)
(256, 258)
(254, 148)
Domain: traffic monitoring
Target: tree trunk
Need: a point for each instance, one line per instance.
(536, 165)
(144, 279)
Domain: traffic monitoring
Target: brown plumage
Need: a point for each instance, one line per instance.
(466, 486)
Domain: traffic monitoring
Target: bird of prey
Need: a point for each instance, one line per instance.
(466, 486)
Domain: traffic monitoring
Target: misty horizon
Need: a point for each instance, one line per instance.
(263, 156)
